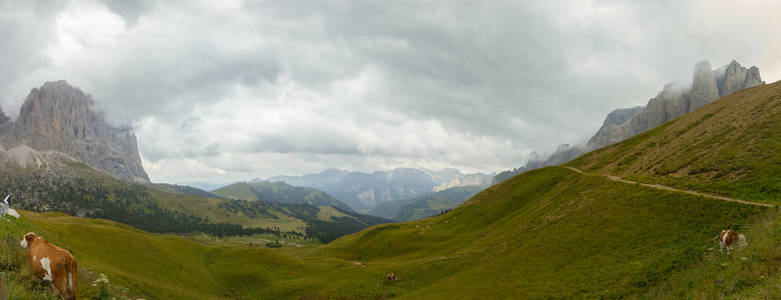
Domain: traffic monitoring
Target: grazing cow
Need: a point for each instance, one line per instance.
(53, 264)
(728, 238)
(391, 277)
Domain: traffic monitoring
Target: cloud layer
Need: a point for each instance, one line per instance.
(227, 90)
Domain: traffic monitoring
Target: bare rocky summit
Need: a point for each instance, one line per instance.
(59, 117)
(675, 101)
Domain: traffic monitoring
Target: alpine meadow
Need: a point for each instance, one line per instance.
(390, 150)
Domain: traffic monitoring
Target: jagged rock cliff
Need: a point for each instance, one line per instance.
(59, 117)
(675, 101)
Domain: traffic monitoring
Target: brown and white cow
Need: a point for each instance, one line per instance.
(53, 264)
(728, 239)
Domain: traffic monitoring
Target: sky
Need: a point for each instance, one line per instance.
(219, 91)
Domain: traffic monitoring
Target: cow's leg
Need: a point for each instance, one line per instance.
(60, 279)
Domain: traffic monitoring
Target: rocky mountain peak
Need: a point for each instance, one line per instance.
(704, 89)
(674, 101)
(60, 117)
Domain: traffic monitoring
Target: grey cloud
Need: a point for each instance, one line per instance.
(491, 81)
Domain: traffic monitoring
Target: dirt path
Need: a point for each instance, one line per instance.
(672, 189)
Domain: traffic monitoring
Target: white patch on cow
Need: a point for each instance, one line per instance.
(70, 280)
(23, 243)
(46, 265)
(35, 257)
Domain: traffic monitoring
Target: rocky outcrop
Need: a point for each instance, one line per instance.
(59, 117)
(675, 101)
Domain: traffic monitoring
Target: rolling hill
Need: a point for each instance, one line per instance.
(51, 181)
(547, 233)
(279, 192)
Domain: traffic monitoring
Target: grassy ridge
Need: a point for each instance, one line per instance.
(729, 147)
(279, 192)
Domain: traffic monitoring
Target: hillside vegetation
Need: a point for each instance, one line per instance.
(592, 237)
(729, 147)
(279, 192)
(76, 189)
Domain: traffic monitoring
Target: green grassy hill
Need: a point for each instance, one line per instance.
(729, 147)
(593, 237)
(181, 189)
(279, 192)
(547, 233)
(77, 189)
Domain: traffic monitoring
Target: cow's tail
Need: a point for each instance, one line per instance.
(73, 277)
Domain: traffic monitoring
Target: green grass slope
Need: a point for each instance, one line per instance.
(547, 233)
(729, 147)
(550, 232)
(279, 192)
(181, 189)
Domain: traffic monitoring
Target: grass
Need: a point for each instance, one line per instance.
(729, 147)
(593, 238)
(547, 233)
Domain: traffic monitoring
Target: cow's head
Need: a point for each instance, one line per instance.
(28, 239)
(742, 240)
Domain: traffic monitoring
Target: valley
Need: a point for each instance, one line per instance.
(604, 225)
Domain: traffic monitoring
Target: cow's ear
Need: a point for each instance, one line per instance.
(29, 237)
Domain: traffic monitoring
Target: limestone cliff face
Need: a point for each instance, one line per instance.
(59, 117)
(672, 102)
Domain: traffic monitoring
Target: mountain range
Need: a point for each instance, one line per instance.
(363, 191)
(673, 101)
(633, 220)
(62, 155)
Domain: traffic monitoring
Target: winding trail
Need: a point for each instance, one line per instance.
(672, 189)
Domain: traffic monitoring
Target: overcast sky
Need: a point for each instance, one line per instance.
(231, 90)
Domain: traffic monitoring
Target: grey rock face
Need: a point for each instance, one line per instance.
(61, 118)
(704, 89)
(3, 118)
(673, 102)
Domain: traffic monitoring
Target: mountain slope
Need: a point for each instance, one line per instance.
(279, 192)
(673, 101)
(426, 205)
(546, 233)
(729, 147)
(181, 189)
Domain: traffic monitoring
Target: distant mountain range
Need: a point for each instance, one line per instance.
(425, 206)
(673, 101)
(61, 155)
(363, 191)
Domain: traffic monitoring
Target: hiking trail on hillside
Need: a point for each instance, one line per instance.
(667, 188)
